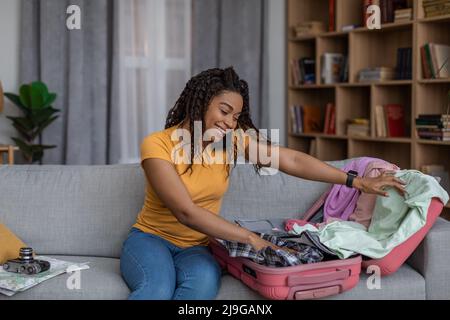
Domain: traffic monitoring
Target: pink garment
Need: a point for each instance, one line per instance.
(289, 224)
(341, 201)
(366, 201)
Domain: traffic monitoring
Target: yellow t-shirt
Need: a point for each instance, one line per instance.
(206, 185)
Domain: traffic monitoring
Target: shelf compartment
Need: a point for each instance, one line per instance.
(427, 154)
(431, 32)
(397, 153)
(306, 10)
(300, 143)
(297, 51)
(393, 94)
(349, 12)
(331, 149)
(329, 45)
(369, 49)
(431, 98)
(351, 102)
(421, 13)
(317, 98)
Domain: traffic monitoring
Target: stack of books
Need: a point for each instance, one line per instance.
(403, 15)
(392, 9)
(433, 127)
(377, 74)
(435, 60)
(329, 126)
(390, 121)
(358, 127)
(305, 119)
(434, 8)
(334, 68)
(404, 64)
(303, 71)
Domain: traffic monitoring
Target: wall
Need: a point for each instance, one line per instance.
(9, 61)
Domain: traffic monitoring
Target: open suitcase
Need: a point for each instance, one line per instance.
(307, 281)
(394, 259)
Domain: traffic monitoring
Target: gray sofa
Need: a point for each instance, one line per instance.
(83, 213)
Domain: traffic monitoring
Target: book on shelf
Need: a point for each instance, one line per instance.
(305, 119)
(311, 119)
(313, 148)
(303, 71)
(376, 74)
(404, 64)
(329, 126)
(403, 15)
(331, 15)
(434, 8)
(435, 61)
(332, 65)
(390, 121)
(380, 123)
(350, 27)
(439, 172)
(358, 127)
(308, 28)
(395, 120)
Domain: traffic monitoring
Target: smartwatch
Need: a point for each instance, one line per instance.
(350, 176)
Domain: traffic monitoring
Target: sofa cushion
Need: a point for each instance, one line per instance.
(101, 281)
(252, 196)
(75, 210)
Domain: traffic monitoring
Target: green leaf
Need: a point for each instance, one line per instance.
(25, 95)
(23, 122)
(15, 99)
(23, 146)
(24, 133)
(39, 94)
(41, 115)
(50, 99)
(42, 126)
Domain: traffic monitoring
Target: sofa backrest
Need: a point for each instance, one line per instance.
(88, 210)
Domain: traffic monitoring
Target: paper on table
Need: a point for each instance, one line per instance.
(11, 283)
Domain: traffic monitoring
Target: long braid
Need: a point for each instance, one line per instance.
(196, 97)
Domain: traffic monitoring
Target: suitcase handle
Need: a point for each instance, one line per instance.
(318, 278)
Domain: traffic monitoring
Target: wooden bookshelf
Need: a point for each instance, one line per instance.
(368, 48)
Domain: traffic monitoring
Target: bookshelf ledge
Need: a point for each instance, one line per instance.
(425, 141)
(443, 18)
(378, 139)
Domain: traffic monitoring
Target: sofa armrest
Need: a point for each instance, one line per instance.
(432, 260)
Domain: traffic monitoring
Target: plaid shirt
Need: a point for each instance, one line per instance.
(274, 258)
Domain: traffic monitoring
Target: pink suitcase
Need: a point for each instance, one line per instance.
(307, 281)
(395, 259)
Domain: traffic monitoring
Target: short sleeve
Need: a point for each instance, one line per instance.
(156, 146)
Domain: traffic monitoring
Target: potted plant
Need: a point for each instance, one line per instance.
(35, 102)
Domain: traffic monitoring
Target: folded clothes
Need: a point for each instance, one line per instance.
(304, 254)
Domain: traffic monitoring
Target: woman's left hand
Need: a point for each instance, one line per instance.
(378, 184)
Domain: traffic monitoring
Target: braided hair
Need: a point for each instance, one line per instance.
(196, 97)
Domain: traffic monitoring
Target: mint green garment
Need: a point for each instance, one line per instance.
(395, 219)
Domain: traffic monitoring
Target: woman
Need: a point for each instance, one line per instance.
(165, 255)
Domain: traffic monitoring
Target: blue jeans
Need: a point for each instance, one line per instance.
(156, 269)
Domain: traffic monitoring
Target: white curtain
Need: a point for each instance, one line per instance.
(154, 65)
